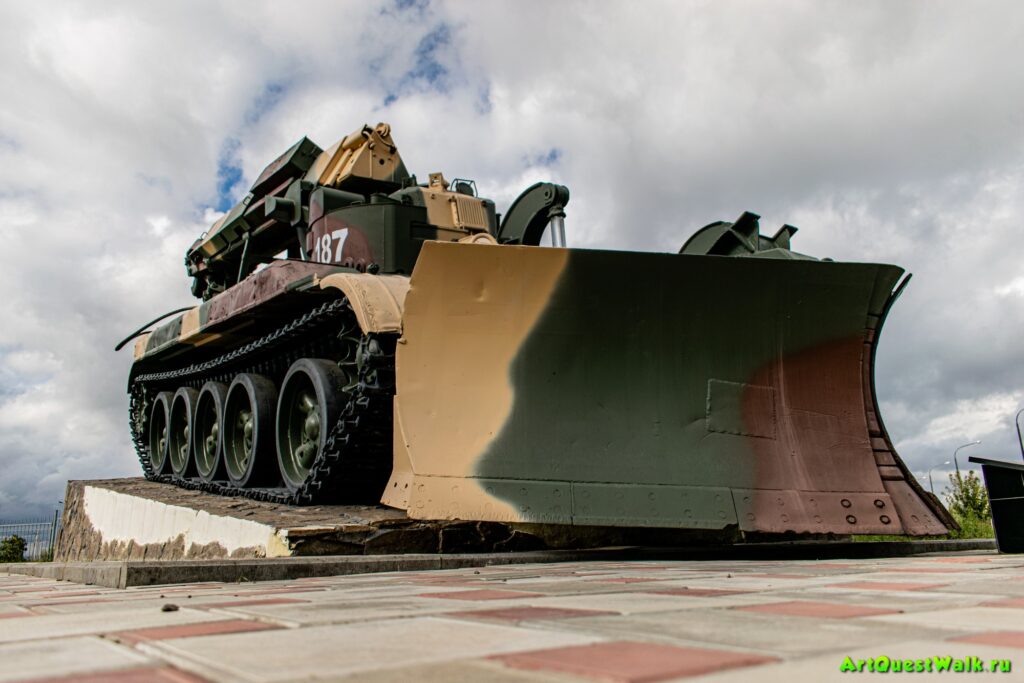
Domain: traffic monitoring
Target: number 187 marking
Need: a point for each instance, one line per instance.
(322, 248)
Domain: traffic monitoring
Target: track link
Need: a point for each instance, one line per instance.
(355, 463)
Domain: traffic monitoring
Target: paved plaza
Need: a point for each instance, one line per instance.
(571, 621)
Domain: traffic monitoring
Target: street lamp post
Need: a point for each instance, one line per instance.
(1020, 440)
(955, 461)
(931, 484)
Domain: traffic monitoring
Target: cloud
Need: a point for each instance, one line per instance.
(885, 132)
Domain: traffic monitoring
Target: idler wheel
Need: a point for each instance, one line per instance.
(183, 409)
(206, 441)
(248, 432)
(312, 397)
(159, 417)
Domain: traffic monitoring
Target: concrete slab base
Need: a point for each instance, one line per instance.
(135, 519)
(122, 574)
(133, 532)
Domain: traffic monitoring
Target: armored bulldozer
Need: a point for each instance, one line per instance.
(366, 338)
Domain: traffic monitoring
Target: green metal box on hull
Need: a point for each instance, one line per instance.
(415, 351)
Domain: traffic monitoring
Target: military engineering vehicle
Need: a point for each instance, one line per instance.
(367, 338)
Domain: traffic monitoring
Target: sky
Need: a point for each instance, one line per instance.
(886, 131)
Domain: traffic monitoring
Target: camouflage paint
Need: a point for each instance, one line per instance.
(730, 385)
(692, 391)
(208, 322)
(270, 294)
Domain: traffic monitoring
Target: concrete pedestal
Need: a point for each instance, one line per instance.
(135, 519)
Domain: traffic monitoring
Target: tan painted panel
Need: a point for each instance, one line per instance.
(462, 292)
(366, 153)
(543, 502)
(454, 210)
(189, 324)
(376, 299)
(439, 211)
(398, 491)
(140, 346)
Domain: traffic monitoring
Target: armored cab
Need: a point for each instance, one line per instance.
(364, 337)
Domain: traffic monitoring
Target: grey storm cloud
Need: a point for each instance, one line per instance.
(889, 132)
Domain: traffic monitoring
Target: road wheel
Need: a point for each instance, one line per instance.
(158, 418)
(311, 400)
(247, 436)
(179, 439)
(206, 442)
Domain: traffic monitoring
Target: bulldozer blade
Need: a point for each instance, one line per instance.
(610, 388)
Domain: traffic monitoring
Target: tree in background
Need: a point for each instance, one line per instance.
(967, 501)
(12, 549)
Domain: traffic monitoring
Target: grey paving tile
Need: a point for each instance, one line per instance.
(962, 619)
(340, 612)
(99, 620)
(64, 657)
(462, 671)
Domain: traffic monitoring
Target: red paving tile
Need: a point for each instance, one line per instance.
(626, 579)
(138, 675)
(886, 586)
(274, 591)
(645, 568)
(630, 662)
(483, 594)
(966, 560)
(447, 582)
(773, 576)
(527, 613)
(65, 594)
(248, 603)
(820, 610)
(997, 638)
(699, 592)
(60, 603)
(631, 567)
(208, 628)
(924, 570)
(1008, 602)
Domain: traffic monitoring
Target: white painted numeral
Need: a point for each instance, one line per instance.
(340, 236)
(325, 248)
(322, 246)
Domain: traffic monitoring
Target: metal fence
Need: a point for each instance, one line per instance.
(40, 535)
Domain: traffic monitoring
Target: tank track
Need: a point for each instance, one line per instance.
(354, 465)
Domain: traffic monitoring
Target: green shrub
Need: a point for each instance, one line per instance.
(12, 549)
(967, 501)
